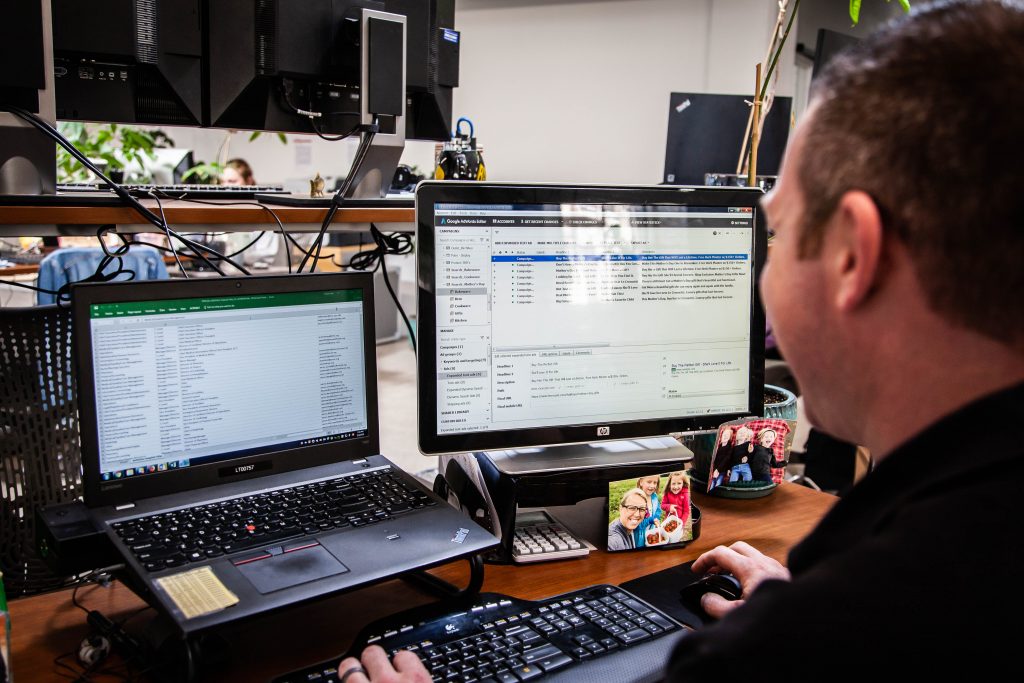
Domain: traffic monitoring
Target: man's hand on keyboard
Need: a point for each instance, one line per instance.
(406, 668)
(743, 561)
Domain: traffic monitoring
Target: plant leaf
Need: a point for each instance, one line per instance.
(283, 138)
(855, 11)
(905, 4)
(255, 134)
(204, 172)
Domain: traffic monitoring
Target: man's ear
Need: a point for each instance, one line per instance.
(857, 243)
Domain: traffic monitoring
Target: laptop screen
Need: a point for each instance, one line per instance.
(183, 382)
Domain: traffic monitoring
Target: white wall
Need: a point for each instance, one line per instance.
(563, 90)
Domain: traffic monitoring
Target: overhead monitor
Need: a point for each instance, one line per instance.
(705, 135)
(129, 61)
(271, 62)
(247, 64)
(553, 315)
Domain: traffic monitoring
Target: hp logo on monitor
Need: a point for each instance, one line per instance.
(604, 431)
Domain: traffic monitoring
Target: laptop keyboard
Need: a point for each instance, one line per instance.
(505, 639)
(194, 534)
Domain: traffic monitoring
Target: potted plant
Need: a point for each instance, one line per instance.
(111, 146)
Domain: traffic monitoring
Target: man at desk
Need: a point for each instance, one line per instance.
(892, 285)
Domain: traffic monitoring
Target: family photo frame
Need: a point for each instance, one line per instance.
(650, 511)
(751, 452)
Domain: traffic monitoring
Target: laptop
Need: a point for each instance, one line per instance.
(230, 445)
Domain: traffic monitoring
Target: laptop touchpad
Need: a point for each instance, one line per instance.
(286, 566)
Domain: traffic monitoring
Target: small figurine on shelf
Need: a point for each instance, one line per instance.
(316, 186)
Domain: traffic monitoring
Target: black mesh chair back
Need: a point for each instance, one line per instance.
(40, 451)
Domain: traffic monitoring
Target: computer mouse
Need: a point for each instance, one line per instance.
(726, 585)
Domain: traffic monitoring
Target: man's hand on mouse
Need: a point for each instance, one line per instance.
(377, 668)
(743, 561)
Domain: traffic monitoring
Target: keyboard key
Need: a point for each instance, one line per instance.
(529, 636)
(554, 662)
(659, 620)
(540, 653)
(633, 636)
(526, 672)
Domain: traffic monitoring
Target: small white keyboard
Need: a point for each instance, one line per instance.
(539, 537)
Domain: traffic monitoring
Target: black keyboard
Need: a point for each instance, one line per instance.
(189, 191)
(503, 639)
(194, 534)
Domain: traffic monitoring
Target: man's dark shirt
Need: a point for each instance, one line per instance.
(917, 570)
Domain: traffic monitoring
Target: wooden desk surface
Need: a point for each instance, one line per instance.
(182, 212)
(46, 626)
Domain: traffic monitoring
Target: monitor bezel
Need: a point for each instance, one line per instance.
(128, 490)
(430, 193)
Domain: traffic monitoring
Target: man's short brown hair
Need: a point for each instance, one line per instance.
(927, 117)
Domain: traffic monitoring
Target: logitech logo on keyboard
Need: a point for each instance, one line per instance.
(450, 628)
(460, 535)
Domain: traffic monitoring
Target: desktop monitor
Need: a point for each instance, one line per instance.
(167, 166)
(270, 60)
(705, 135)
(830, 43)
(553, 314)
(129, 61)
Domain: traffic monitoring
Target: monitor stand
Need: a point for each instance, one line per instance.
(588, 456)
(492, 486)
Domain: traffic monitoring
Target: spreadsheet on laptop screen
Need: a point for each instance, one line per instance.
(183, 382)
(572, 314)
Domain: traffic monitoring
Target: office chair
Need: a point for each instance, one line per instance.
(40, 452)
(77, 264)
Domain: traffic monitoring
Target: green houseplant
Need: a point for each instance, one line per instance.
(114, 146)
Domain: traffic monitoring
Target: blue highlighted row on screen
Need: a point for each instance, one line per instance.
(621, 257)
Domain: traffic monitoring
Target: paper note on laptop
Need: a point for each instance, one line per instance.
(197, 592)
